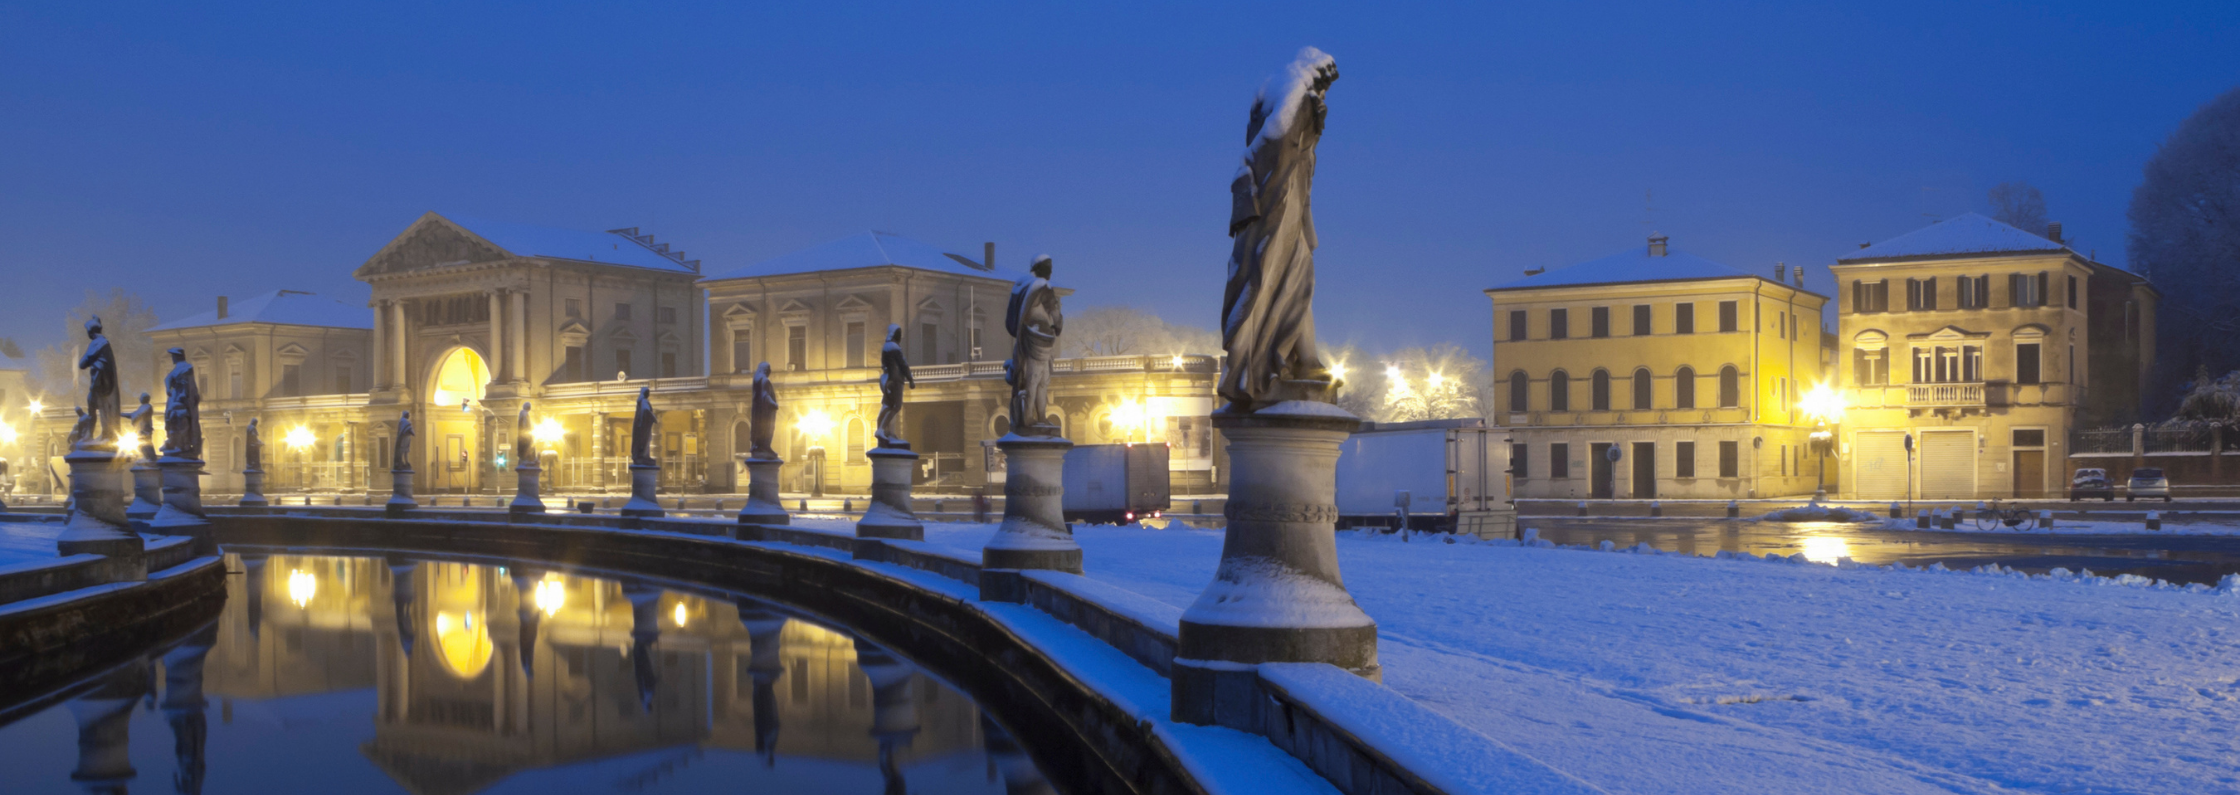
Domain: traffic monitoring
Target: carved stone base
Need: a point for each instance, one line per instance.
(252, 489)
(889, 515)
(762, 505)
(527, 498)
(147, 492)
(400, 490)
(182, 513)
(1277, 595)
(97, 522)
(645, 479)
(1034, 533)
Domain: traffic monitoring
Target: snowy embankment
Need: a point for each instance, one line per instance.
(2189, 525)
(1672, 673)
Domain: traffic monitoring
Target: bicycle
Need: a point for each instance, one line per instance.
(1995, 516)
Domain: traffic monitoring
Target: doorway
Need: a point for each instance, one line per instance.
(1599, 472)
(2029, 473)
(1644, 470)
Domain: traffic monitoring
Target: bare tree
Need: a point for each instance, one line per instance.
(2185, 237)
(2019, 205)
(1437, 383)
(1123, 331)
(125, 319)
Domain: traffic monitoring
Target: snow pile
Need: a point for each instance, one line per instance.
(1815, 512)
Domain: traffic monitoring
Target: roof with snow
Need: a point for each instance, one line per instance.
(281, 307)
(1966, 236)
(868, 250)
(523, 240)
(1632, 265)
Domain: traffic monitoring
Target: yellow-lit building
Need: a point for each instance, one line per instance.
(1689, 369)
(1986, 345)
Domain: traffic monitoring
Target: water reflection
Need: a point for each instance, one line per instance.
(2181, 559)
(373, 674)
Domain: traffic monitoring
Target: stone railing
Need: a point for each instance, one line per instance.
(1944, 395)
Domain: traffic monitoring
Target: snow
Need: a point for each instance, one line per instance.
(1671, 673)
(867, 250)
(2066, 526)
(1305, 408)
(1258, 592)
(1969, 234)
(1632, 265)
(1285, 93)
(28, 542)
(1816, 512)
(280, 307)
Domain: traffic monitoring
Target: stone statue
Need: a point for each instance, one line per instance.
(403, 459)
(182, 409)
(252, 446)
(641, 430)
(144, 426)
(764, 414)
(523, 452)
(1034, 322)
(894, 373)
(100, 364)
(81, 430)
(1267, 309)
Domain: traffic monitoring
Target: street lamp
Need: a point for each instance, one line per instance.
(814, 425)
(299, 439)
(1825, 407)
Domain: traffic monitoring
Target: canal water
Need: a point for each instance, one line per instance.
(338, 674)
(2175, 558)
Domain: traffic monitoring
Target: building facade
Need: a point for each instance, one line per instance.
(1972, 350)
(1689, 370)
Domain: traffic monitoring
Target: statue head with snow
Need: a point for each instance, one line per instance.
(1267, 308)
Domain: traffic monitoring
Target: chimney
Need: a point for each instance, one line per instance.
(1864, 245)
(2053, 232)
(1656, 245)
(222, 307)
(1780, 272)
(1800, 276)
(988, 254)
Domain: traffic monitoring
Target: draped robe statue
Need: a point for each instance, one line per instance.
(403, 459)
(182, 409)
(523, 454)
(102, 403)
(144, 426)
(641, 430)
(1034, 321)
(894, 373)
(1267, 309)
(764, 415)
(252, 446)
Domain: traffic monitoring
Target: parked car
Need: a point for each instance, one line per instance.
(2147, 482)
(2092, 482)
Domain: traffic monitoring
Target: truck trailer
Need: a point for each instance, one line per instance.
(1442, 475)
(1116, 483)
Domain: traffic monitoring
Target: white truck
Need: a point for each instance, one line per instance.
(1442, 475)
(1116, 483)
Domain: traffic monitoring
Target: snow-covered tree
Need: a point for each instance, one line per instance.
(1437, 383)
(125, 320)
(2185, 237)
(2019, 205)
(1123, 331)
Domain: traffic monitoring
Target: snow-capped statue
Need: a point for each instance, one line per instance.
(764, 416)
(894, 373)
(522, 454)
(144, 426)
(641, 430)
(1034, 321)
(102, 403)
(252, 447)
(1267, 309)
(403, 460)
(182, 409)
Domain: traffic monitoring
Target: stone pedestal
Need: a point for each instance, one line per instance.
(252, 489)
(644, 480)
(1277, 596)
(104, 718)
(1034, 533)
(526, 496)
(97, 522)
(400, 490)
(889, 515)
(182, 513)
(762, 494)
(147, 491)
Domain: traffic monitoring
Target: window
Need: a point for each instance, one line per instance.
(1947, 364)
(1559, 324)
(1870, 296)
(622, 311)
(1600, 321)
(1683, 318)
(1520, 465)
(2025, 291)
(1559, 460)
(1729, 316)
(1516, 325)
(742, 351)
(1793, 327)
(1559, 391)
(929, 343)
(1520, 391)
(1684, 388)
(291, 380)
(797, 347)
(1599, 390)
(1730, 459)
(342, 379)
(622, 362)
(1921, 294)
(1641, 320)
(2034, 437)
(855, 343)
(1730, 387)
(855, 440)
(1643, 386)
(574, 307)
(233, 380)
(2026, 367)
(1784, 459)
(1870, 367)
(2072, 292)
(1781, 325)
(668, 364)
(573, 370)
(1781, 394)
(1683, 459)
(1975, 292)
(666, 315)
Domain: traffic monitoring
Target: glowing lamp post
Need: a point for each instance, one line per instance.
(1825, 407)
(814, 425)
(299, 440)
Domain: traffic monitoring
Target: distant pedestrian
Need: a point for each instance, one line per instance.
(980, 505)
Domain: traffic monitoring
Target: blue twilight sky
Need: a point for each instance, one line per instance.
(192, 150)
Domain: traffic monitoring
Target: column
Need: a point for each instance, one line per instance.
(380, 345)
(498, 358)
(397, 376)
(599, 449)
(517, 361)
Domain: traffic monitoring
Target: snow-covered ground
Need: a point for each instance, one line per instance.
(25, 542)
(1672, 673)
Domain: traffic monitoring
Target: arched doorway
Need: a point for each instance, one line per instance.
(453, 428)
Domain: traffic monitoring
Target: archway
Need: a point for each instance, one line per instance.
(453, 429)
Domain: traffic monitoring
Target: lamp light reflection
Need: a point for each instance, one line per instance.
(1826, 549)
(549, 596)
(678, 615)
(301, 587)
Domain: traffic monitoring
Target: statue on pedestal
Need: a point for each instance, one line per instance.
(642, 429)
(764, 414)
(1034, 321)
(403, 459)
(894, 374)
(81, 430)
(100, 364)
(252, 446)
(182, 409)
(1267, 308)
(144, 426)
(524, 451)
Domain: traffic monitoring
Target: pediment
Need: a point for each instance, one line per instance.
(667, 338)
(623, 334)
(293, 350)
(793, 306)
(2030, 330)
(853, 304)
(430, 242)
(574, 327)
(739, 311)
(930, 305)
(1950, 333)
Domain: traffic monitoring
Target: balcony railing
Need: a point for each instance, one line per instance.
(1944, 395)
